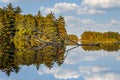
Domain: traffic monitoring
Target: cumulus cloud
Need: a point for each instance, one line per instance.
(61, 73)
(107, 76)
(86, 10)
(72, 73)
(86, 7)
(98, 73)
(94, 69)
(60, 7)
(101, 3)
(67, 74)
(97, 6)
(74, 59)
(82, 21)
(67, 7)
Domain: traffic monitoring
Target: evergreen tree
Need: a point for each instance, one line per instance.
(61, 27)
(50, 30)
(18, 10)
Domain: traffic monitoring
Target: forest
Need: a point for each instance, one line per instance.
(108, 41)
(26, 30)
(99, 37)
(27, 39)
(18, 31)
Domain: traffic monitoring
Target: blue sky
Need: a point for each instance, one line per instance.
(80, 15)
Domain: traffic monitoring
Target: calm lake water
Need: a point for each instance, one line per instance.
(77, 64)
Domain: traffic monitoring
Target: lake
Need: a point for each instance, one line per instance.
(62, 63)
(38, 37)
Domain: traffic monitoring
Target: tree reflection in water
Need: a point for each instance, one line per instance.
(11, 59)
(48, 54)
(103, 46)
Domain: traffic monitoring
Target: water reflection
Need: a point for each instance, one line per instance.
(11, 59)
(87, 65)
(103, 46)
(73, 62)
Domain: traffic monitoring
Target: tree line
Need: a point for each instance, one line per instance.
(27, 39)
(108, 41)
(99, 37)
(27, 30)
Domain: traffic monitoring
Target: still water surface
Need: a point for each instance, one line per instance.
(76, 64)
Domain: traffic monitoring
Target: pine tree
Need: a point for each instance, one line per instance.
(61, 27)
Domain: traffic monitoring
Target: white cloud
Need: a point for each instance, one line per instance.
(101, 3)
(74, 59)
(47, 71)
(78, 55)
(70, 72)
(75, 19)
(90, 58)
(86, 7)
(67, 7)
(67, 74)
(93, 69)
(7, 1)
(107, 76)
(7, 79)
(61, 73)
(98, 73)
(118, 58)
(86, 10)
(60, 7)
(114, 22)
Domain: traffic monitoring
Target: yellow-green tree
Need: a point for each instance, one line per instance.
(71, 39)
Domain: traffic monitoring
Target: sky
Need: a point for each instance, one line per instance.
(80, 15)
